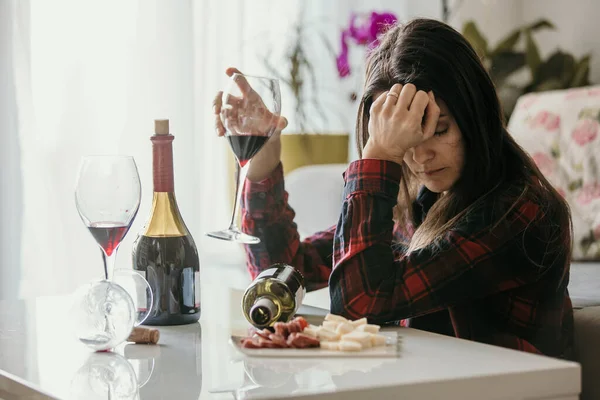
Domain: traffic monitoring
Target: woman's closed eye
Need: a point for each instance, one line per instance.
(441, 132)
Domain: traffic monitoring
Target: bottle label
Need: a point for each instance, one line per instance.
(197, 289)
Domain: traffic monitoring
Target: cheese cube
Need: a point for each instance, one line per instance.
(330, 345)
(378, 340)
(368, 328)
(349, 345)
(333, 317)
(327, 335)
(331, 325)
(364, 338)
(312, 332)
(359, 322)
(344, 327)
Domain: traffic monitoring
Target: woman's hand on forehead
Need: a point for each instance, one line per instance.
(400, 119)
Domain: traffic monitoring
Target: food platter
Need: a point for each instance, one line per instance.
(392, 348)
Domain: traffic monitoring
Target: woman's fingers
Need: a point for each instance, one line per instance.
(274, 128)
(378, 103)
(282, 123)
(240, 80)
(417, 112)
(419, 103)
(245, 113)
(406, 96)
(232, 70)
(391, 97)
(432, 114)
(233, 100)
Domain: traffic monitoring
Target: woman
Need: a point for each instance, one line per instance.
(447, 225)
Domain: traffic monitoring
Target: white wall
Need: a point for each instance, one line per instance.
(577, 28)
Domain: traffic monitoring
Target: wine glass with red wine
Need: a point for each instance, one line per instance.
(250, 111)
(107, 196)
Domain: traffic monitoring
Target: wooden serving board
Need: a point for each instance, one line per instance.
(392, 349)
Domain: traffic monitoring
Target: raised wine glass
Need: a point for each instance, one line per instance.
(107, 196)
(250, 111)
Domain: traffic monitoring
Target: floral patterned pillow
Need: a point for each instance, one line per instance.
(561, 129)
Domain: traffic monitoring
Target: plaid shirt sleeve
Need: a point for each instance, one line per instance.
(267, 214)
(472, 260)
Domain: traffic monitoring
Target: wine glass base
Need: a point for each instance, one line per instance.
(234, 236)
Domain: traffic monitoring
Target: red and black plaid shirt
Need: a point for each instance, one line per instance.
(493, 283)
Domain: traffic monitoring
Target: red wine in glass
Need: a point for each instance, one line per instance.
(108, 235)
(250, 113)
(246, 147)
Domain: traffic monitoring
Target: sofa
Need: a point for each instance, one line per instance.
(560, 129)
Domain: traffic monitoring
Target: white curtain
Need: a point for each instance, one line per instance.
(89, 77)
(10, 174)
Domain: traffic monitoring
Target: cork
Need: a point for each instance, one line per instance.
(143, 335)
(161, 126)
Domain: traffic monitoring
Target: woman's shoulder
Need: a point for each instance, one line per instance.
(518, 204)
(534, 195)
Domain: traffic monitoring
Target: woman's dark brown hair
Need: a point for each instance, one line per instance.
(434, 56)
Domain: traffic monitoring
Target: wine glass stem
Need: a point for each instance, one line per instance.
(239, 190)
(109, 264)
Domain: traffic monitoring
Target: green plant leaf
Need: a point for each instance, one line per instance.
(559, 66)
(582, 72)
(532, 55)
(477, 40)
(505, 64)
(507, 43)
(540, 24)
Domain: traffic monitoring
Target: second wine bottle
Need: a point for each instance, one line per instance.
(165, 252)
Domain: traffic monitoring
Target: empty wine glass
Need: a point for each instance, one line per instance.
(102, 314)
(107, 197)
(250, 111)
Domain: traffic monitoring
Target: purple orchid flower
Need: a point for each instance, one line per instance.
(343, 64)
(366, 33)
(379, 23)
(360, 33)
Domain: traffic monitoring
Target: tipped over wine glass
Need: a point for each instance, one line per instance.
(250, 111)
(107, 196)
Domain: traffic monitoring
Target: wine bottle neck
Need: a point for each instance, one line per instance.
(162, 163)
(165, 218)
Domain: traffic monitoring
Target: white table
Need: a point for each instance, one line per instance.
(39, 359)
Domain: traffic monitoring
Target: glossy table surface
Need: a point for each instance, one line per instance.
(39, 359)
